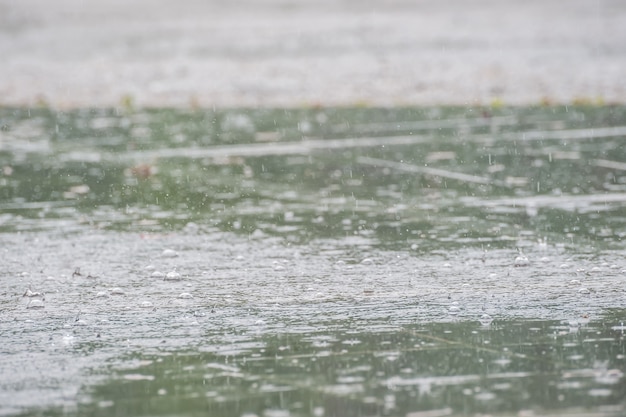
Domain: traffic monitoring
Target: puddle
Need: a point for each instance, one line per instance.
(419, 262)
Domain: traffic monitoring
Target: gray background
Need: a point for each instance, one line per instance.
(70, 53)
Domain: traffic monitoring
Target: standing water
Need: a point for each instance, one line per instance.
(419, 262)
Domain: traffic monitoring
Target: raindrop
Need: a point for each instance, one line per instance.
(68, 340)
(318, 411)
(600, 392)
(485, 396)
(486, 319)
(105, 404)
(30, 293)
(35, 304)
(169, 253)
(521, 260)
(173, 276)
(191, 227)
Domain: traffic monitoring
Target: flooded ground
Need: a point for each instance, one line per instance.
(419, 262)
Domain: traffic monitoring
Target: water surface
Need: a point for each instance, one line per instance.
(420, 262)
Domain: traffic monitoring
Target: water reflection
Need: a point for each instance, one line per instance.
(430, 177)
(465, 368)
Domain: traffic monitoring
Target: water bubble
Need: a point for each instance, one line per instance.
(117, 291)
(367, 261)
(574, 282)
(169, 253)
(486, 319)
(35, 304)
(157, 274)
(600, 392)
(68, 340)
(106, 403)
(191, 227)
(564, 266)
(146, 304)
(257, 234)
(502, 361)
(485, 396)
(318, 412)
(173, 276)
(521, 260)
(185, 295)
(583, 290)
(102, 294)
